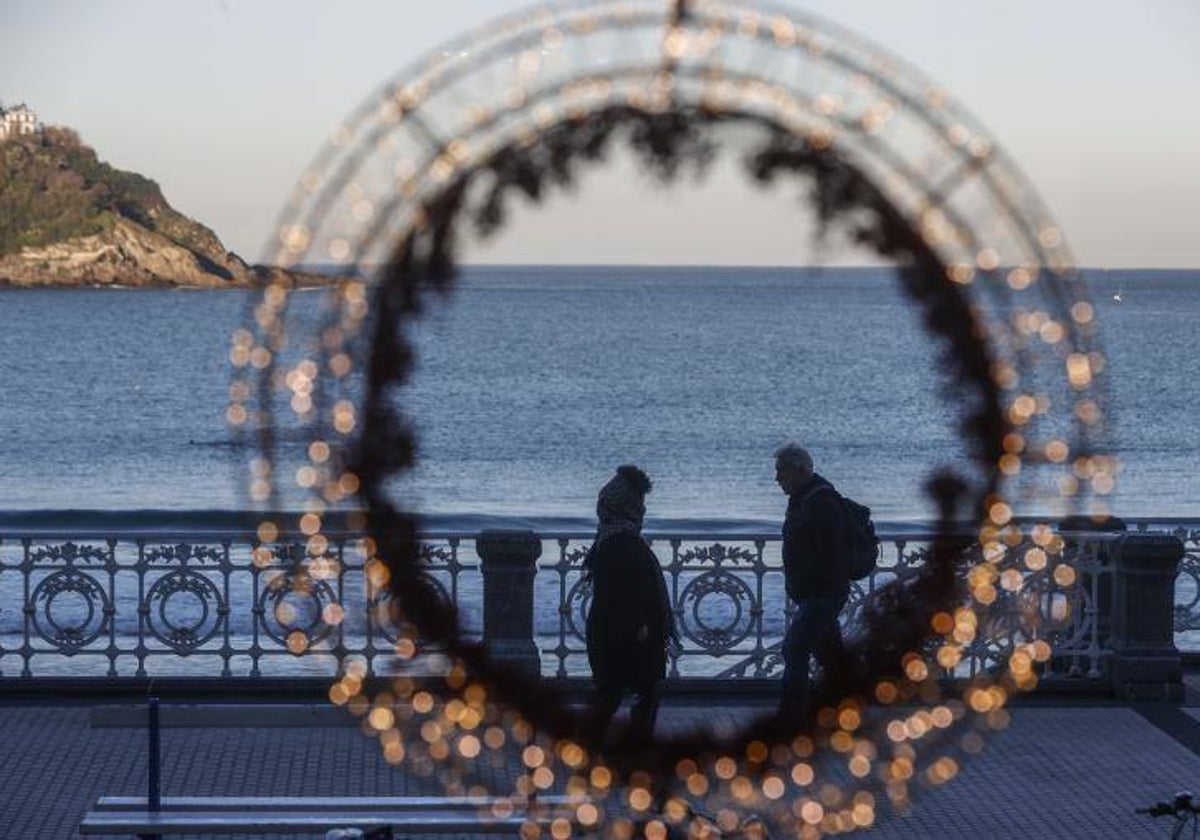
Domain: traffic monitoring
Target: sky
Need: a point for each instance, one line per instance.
(224, 102)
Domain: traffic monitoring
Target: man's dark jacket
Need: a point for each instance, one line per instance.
(816, 563)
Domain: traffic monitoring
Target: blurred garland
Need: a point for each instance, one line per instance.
(669, 143)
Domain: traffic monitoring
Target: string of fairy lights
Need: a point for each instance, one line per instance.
(517, 102)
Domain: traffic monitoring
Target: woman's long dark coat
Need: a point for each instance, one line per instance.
(630, 618)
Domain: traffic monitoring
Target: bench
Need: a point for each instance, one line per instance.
(155, 815)
(385, 815)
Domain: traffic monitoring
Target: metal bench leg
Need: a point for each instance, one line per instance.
(153, 771)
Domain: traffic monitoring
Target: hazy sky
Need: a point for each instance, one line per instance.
(223, 102)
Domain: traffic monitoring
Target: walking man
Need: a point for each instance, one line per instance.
(816, 574)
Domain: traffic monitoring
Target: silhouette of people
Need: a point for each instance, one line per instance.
(816, 574)
(630, 622)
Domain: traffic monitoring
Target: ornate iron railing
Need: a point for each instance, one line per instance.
(731, 611)
(196, 603)
(136, 604)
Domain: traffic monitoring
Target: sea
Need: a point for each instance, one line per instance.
(534, 382)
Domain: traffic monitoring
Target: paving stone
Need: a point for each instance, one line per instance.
(1054, 773)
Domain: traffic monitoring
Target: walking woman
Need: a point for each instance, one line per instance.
(630, 621)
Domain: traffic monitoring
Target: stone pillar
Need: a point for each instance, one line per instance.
(508, 560)
(1146, 664)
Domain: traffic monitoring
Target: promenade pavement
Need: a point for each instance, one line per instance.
(1058, 771)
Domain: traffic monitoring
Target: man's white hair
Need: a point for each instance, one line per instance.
(795, 455)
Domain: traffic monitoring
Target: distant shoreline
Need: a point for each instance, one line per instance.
(317, 277)
(163, 287)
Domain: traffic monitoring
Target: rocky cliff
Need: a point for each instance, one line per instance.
(69, 219)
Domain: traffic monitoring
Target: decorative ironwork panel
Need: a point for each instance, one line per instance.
(577, 606)
(70, 610)
(716, 594)
(717, 611)
(1187, 590)
(68, 602)
(439, 561)
(296, 605)
(184, 610)
(186, 606)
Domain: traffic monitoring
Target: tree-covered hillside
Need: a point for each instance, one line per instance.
(53, 187)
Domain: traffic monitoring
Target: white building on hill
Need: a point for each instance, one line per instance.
(17, 121)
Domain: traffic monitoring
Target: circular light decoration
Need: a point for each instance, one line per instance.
(520, 108)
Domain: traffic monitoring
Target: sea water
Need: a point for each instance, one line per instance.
(534, 382)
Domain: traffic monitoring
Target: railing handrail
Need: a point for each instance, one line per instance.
(239, 523)
(885, 531)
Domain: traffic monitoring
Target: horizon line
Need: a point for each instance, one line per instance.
(771, 266)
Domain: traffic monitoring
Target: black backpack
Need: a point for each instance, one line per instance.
(862, 545)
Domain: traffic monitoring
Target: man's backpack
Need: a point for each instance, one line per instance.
(861, 543)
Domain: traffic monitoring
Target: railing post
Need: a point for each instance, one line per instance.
(1146, 663)
(508, 561)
